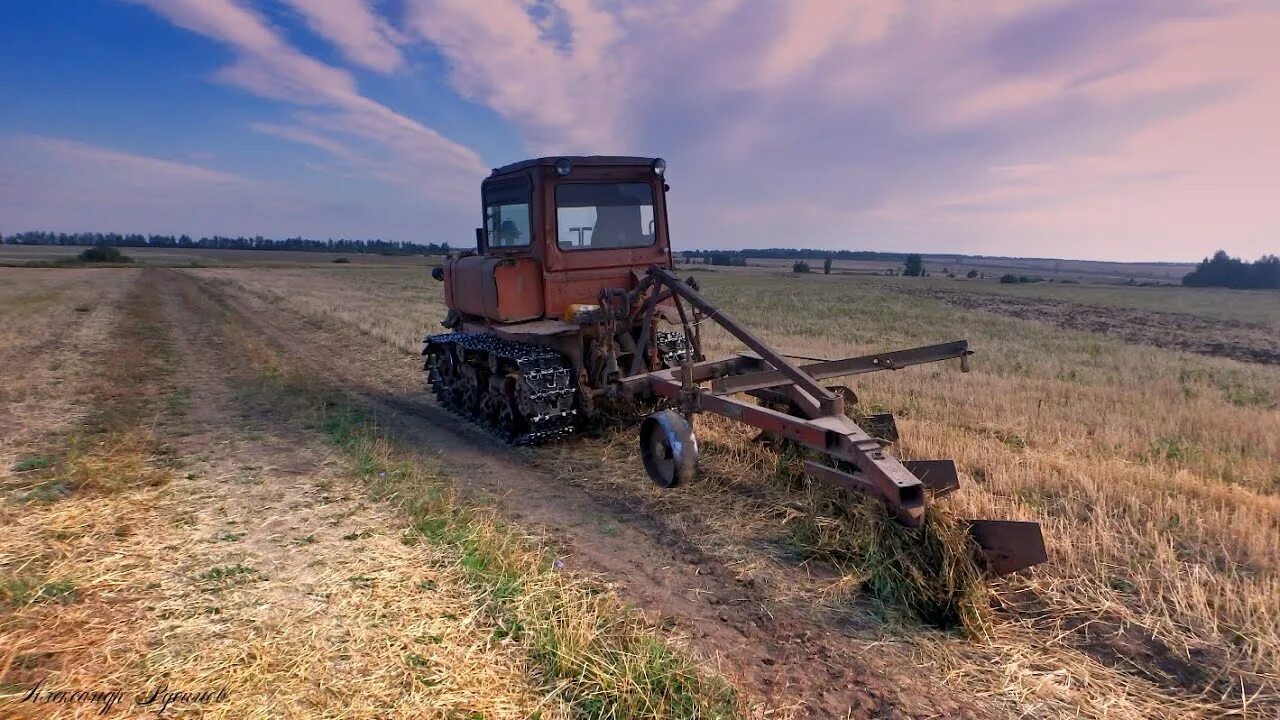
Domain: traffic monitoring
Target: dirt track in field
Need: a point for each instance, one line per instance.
(302, 522)
(304, 622)
(49, 331)
(774, 650)
(1169, 330)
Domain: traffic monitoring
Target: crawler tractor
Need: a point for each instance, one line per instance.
(568, 304)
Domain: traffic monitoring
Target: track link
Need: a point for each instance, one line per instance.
(524, 393)
(673, 348)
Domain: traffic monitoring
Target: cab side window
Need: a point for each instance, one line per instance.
(507, 225)
(507, 220)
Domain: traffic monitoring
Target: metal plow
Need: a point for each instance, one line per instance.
(792, 403)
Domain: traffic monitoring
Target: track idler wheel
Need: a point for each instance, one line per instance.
(668, 448)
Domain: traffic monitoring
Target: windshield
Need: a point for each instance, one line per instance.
(604, 215)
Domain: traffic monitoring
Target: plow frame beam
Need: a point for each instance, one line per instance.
(818, 420)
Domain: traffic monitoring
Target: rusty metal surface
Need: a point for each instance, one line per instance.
(907, 501)
(940, 476)
(1009, 545)
(548, 278)
(702, 372)
(813, 416)
(828, 401)
(525, 331)
(850, 366)
(836, 436)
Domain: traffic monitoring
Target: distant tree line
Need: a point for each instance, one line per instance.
(1010, 279)
(1222, 270)
(796, 254)
(218, 242)
(720, 258)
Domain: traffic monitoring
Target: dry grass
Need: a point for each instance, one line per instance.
(26, 255)
(1088, 271)
(358, 297)
(129, 564)
(1155, 475)
(762, 498)
(595, 654)
(1261, 307)
(48, 322)
(98, 599)
(582, 647)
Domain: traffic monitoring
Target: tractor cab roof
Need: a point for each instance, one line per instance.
(578, 161)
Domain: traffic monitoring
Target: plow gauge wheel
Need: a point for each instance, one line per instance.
(668, 448)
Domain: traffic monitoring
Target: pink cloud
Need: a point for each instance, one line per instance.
(131, 168)
(363, 37)
(306, 136)
(66, 185)
(269, 67)
(500, 56)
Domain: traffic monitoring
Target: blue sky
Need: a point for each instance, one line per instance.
(1090, 129)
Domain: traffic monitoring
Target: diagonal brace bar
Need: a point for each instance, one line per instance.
(830, 403)
(849, 366)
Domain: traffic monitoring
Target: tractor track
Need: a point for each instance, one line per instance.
(795, 665)
(45, 348)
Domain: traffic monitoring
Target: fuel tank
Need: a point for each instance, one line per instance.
(501, 289)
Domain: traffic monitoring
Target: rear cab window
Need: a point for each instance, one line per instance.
(594, 215)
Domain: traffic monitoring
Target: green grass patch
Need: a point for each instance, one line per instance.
(1242, 394)
(18, 590)
(600, 655)
(226, 572)
(36, 462)
(48, 491)
(929, 574)
(1171, 449)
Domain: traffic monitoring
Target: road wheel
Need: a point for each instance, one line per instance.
(668, 448)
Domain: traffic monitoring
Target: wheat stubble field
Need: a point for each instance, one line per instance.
(232, 476)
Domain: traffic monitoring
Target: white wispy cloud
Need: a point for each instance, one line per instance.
(305, 136)
(131, 168)
(1141, 129)
(566, 99)
(68, 185)
(269, 67)
(352, 25)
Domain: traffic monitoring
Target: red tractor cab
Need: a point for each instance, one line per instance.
(558, 231)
